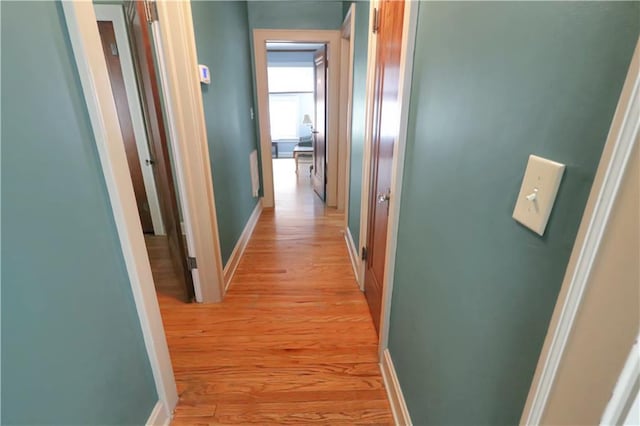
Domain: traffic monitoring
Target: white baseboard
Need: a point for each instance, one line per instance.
(238, 250)
(394, 393)
(353, 254)
(160, 415)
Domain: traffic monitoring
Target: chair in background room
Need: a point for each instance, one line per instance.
(304, 149)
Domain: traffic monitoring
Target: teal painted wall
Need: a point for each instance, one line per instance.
(345, 7)
(72, 347)
(295, 14)
(474, 290)
(361, 43)
(227, 101)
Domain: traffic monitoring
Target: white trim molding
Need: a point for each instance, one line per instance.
(399, 408)
(87, 49)
(366, 154)
(624, 403)
(353, 253)
(160, 415)
(241, 245)
(333, 40)
(346, 107)
(613, 163)
(178, 71)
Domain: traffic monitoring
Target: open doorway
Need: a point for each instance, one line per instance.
(297, 116)
(298, 75)
(127, 46)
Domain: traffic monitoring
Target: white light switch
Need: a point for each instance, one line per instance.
(538, 193)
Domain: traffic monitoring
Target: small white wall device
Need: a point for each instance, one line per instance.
(204, 74)
(538, 193)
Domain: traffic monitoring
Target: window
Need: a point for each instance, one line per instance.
(291, 79)
(291, 96)
(284, 111)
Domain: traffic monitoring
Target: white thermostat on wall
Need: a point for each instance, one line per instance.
(538, 193)
(204, 74)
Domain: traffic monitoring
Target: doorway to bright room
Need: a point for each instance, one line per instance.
(296, 75)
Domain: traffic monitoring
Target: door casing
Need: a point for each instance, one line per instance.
(177, 43)
(410, 21)
(332, 38)
(346, 112)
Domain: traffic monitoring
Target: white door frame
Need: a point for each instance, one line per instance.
(372, 44)
(624, 403)
(346, 107)
(406, 71)
(187, 132)
(115, 14)
(175, 49)
(623, 135)
(332, 39)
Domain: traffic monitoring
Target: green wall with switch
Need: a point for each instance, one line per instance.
(72, 346)
(474, 290)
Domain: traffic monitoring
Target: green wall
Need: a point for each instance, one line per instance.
(295, 14)
(72, 347)
(227, 103)
(361, 43)
(474, 290)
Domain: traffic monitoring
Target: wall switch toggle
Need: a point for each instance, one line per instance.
(538, 193)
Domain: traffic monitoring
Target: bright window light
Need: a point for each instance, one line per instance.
(290, 79)
(284, 112)
(290, 98)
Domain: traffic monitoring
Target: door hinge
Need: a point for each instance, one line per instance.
(151, 9)
(114, 49)
(191, 263)
(376, 20)
(363, 254)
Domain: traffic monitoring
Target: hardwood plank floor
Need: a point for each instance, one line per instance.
(293, 341)
(167, 280)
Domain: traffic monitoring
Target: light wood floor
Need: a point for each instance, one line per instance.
(168, 282)
(293, 341)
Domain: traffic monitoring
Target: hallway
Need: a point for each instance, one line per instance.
(293, 341)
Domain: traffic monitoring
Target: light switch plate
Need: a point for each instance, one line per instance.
(538, 193)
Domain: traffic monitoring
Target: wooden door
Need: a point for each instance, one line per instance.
(384, 133)
(148, 83)
(318, 176)
(111, 54)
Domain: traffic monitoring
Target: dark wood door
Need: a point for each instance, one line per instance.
(111, 54)
(318, 176)
(384, 133)
(148, 83)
